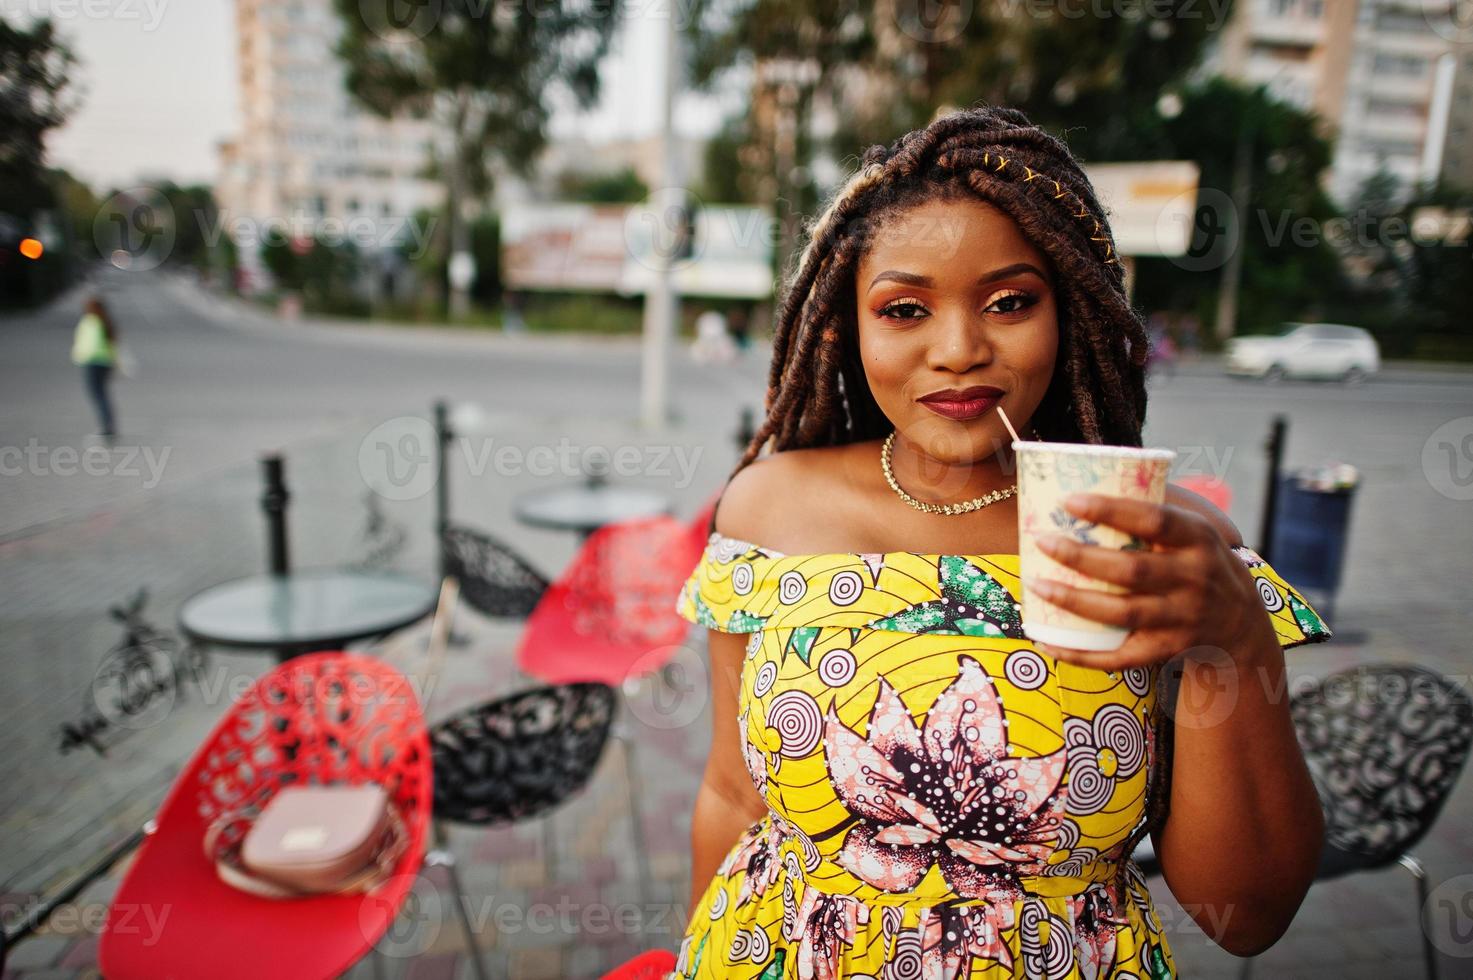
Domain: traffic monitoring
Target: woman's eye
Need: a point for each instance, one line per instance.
(903, 310)
(1012, 302)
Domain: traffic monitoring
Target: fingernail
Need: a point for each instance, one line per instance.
(1043, 587)
(1076, 501)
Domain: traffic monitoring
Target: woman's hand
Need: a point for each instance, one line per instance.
(1188, 591)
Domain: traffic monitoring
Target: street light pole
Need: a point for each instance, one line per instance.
(662, 302)
(1232, 270)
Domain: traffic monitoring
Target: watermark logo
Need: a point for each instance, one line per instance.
(417, 923)
(1448, 916)
(394, 20)
(1451, 19)
(149, 13)
(933, 21)
(1447, 458)
(397, 458)
(1215, 233)
(1213, 694)
(131, 462)
(673, 698)
(134, 229)
(662, 230)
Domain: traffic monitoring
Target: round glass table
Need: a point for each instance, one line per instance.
(586, 507)
(306, 610)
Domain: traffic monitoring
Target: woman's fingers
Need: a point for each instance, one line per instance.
(1163, 524)
(1131, 612)
(1138, 571)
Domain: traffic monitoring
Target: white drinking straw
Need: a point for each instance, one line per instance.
(1011, 431)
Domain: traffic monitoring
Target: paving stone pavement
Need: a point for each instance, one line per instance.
(609, 886)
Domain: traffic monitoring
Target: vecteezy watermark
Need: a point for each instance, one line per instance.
(399, 19)
(1217, 228)
(1451, 19)
(126, 461)
(663, 230)
(135, 229)
(933, 21)
(1448, 916)
(91, 918)
(396, 21)
(426, 911)
(149, 13)
(1215, 233)
(414, 926)
(1158, 11)
(397, 459)
(1209, 699)
(676, 696)
(366, 232)
(1447, 458)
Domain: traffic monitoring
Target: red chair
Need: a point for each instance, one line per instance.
(655, 964)
(1210, 487)
(319, 718)
(612, 615)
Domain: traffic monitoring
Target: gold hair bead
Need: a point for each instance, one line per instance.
(950, 510)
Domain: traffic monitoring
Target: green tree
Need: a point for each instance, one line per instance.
(195, 215)
(724, 178)
(798, 52)
(1094, 79)
(485, 73)
(1290, 266)
(618, 187)
(34, 70)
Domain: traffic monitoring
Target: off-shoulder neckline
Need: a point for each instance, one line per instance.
(717, 537)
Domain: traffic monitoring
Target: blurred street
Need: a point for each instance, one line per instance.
(219, 384)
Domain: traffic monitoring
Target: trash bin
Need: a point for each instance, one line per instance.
(1310, 530)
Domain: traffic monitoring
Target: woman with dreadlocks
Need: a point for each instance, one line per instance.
(900, 784)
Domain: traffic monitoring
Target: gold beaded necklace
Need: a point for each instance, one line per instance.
(961, 507)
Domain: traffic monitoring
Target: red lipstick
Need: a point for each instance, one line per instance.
(961, 404)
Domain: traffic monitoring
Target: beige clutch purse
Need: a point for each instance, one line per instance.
(312, 840)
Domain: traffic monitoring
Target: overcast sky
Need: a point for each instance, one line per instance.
(157, 87)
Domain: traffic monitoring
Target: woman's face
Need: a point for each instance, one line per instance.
(956, 315)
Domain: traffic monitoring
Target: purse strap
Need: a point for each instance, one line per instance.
(225, 853)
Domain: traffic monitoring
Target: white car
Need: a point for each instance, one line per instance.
(1306, 350)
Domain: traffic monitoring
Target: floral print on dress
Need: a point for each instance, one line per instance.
(944, 800)
(825, 924)
(947, 795)
(972, 603)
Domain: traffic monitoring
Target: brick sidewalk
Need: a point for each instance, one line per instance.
(608, 886)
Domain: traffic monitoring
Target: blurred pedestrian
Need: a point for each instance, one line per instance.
(1162, 351)
(511, 312)
(713, 344)
(740, 325)
(95, 350)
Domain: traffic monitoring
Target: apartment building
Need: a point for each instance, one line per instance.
(307, 158)
(1392, 81)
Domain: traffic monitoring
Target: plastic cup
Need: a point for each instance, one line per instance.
(1047, 473)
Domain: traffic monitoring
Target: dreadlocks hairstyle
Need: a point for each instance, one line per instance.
(817, 394)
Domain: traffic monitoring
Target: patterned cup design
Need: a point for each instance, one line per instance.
(1047, 473)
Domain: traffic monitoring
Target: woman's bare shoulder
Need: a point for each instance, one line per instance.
(777, 499)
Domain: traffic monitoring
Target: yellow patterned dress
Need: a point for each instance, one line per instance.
(943, 800)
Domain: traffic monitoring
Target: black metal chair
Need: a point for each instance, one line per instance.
(512, 759)
(1384, 745)
(494, 579)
